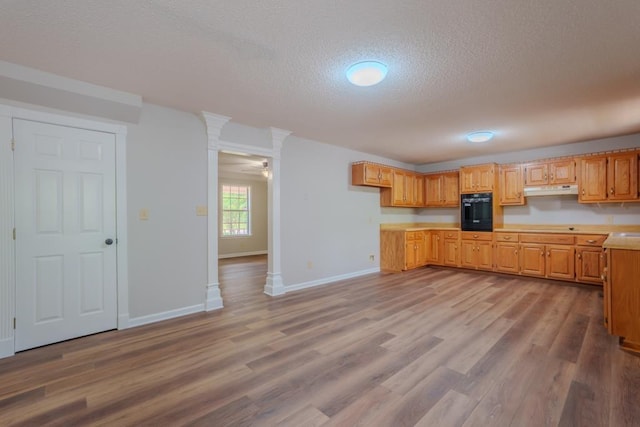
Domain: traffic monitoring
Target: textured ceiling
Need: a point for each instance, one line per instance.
(542, 72)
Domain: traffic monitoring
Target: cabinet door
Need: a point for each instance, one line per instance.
(450, 189)
(372, 174)
(434, 251)
(562, 172)
(536, 174)
(399, 190)
(506, 256)
(622, 176)
(410, 255)
(589, 264)
(433, 184)
(606, 290)
(409, 190)
(560, 262)
(468, 254)
(484, 255)
(451, 253)
(532, 257)
(467, 183)
(386, 176)
(593, 179)
(418, 190)
(511, 185)
(485, 178)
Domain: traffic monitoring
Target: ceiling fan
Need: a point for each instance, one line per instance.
(259, 167)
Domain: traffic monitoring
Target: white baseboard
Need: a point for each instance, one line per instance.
(152, 318)
(239, 254)
(326, 280)
(123, 321)
(6, 348)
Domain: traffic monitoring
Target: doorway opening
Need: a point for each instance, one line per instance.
(243, 225)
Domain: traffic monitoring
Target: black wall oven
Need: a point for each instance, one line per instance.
(476, 212)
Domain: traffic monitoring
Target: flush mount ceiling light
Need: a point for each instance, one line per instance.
(367, 73)
(480, 136)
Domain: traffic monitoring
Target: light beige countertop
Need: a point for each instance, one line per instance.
(521, 228)
(629, 241)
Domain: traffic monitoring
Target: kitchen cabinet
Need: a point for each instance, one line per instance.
(609, 178)
(371, 174)
(407, 190)
(476, 250)
(589, 258)
(506, 255)
(451, 248)
(442, 189)
(402, 250)
(435, 247)
(510, 185)
(551, 172)
(478, 178)
(622, 295)
(547, 255)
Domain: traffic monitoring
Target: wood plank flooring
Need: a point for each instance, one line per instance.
(429, 347)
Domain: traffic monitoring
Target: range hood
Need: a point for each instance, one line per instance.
(551, 190)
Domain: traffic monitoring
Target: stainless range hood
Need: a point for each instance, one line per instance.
(551, 190)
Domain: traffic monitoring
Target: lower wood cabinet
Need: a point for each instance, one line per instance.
(622, 296)
(476, 250)
(506, 257)
(451, 249)
(402, 250)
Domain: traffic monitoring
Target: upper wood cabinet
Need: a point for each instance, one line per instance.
(442, 189)
(511, 185)
(478, 178)
(609, 178)
(407, 190)
(371, 174)
(552, 172)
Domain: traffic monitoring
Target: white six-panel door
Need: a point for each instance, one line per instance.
(65, 212)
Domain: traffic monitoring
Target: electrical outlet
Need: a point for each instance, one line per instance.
(309, 265)
(201, 211)
(609, 219)
(143, 214)
(372, 257)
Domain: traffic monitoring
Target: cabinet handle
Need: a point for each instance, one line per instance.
(611, 190)
(515, 252)
(507, 237)
(475, 236)
(541, 253)
(551, 177)
(579, 256)
(583, 192)
(545, 177)
(548, 253)
(591, 241)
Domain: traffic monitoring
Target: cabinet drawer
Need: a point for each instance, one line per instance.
(506, 237)
(414, 235)
(590, 239)
(558, 239)
(477, 235)
(451, 234)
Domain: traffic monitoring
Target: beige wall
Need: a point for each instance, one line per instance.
(257, 242)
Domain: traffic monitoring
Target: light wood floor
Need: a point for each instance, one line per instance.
(431, 347)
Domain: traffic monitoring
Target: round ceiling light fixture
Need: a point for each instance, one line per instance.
(480, 136)
(367, 73)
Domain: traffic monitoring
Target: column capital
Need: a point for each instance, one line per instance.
(214, 123)
(277, 138)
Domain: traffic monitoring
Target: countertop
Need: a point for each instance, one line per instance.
(629, 241)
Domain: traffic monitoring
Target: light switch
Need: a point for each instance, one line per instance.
(143, 214)
(201, 211)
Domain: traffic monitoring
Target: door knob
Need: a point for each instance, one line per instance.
(108, 242)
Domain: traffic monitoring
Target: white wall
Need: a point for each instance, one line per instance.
(166, 174)
(257, 242)
(553, 210)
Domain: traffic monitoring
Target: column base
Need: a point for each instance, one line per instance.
(274, 285)
(214, 299)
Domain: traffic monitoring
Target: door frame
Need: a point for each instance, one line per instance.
(7, 207)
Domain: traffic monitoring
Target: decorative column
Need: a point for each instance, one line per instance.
(274, 285)
(7, 254)
(214, 124)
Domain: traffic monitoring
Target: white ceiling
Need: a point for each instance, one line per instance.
(538, 72)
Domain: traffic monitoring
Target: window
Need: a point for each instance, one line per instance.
(235, 210)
